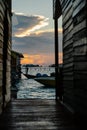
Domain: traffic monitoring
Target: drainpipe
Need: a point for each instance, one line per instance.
(56, 55)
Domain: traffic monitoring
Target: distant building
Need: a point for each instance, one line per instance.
(74, 18)
(5, 52)
(31, 65)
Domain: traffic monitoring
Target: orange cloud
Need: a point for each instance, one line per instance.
(35, 59)
(41, 59)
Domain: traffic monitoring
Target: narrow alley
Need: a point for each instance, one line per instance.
(70, 84)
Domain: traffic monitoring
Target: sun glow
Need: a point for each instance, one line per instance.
(41, 59)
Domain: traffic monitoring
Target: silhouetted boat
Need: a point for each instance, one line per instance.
(44, 79)
(47, 81)
(29, 76)
(34, 76)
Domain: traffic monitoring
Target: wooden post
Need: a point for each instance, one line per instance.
(56, 55)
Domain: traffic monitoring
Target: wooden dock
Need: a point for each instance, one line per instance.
(36, 114)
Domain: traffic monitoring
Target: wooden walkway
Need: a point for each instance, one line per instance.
(36, 114)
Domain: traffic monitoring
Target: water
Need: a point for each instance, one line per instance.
(29, 88)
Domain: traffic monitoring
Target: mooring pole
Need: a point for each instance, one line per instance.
(56, 56)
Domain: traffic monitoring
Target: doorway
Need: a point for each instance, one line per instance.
(33, 36)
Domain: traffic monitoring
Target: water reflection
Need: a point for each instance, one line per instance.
(29, 88)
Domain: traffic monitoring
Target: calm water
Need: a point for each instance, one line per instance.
(29, 88)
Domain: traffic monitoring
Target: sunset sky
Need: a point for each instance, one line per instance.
(33, 31)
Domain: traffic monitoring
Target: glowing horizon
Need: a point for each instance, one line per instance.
(40, 59)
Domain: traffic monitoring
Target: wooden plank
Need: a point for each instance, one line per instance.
(67, 10)
(1, 45)
(0, 91)
(68, 49)
(1, 9)
(76, 3)
(80, 35)
(68, 59)
(75, 54)
(68, 16)
(36, 114)
(68, 36)
(1, 25)
(67, 43)
(0, 66)
(80, 76)
(79, 8)
(2, 4)
(79, 85)
(80, 42)
(80, 58)
(68, 78)
(80, 66)
(9, 57)
(80, 50)
(1, 31)
(65, 4)
(1, 38)
(69, 98)
(80, 17)
(69, 69)
(0, 108)
(65, 26)
(0, 81)
(68, 84)
(1, 51)
(8, 76)
(68, 74)
(0, 75)
(68, 65)
(1, 16)
(68, 30)
(82, 98)
(79, 27)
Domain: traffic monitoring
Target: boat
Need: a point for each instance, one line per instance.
(47, 81)
(29, 76)
(34, 76)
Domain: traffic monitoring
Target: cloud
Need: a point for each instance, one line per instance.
(36, 44)
(39, 48)
(24, 25)
(41, 43)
